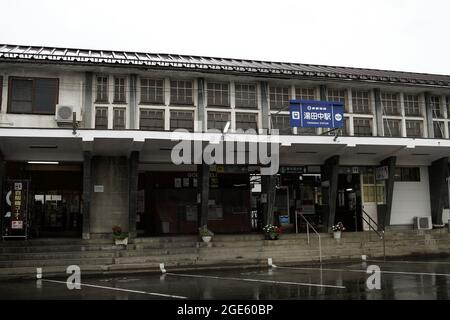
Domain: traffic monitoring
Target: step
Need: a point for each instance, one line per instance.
(58, 255)
(156, 252)
(58, 262)
(61, 248)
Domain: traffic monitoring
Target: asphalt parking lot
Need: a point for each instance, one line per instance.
(424, 279)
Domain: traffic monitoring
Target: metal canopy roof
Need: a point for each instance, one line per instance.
(223, 65)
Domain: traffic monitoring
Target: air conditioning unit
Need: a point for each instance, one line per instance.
(422, 223)
(64, 114)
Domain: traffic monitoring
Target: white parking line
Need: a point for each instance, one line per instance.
(256, 280)
(365, 271)
(121, 289)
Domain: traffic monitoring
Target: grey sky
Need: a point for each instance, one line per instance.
(411, 35)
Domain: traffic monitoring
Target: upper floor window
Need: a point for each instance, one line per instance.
(279, 97)
(1, 89)
(392, 128)
(438, 128)
(337, 95)
(281, 123)
(182, 120)
(101, 118)
(435, 104)
(390, 103)
(102, 89)
(412, 106)
(305, 94)
(218, 120)
(119, 89)
(414, 128)
(362, 127)
(151, 119)
(245, 94)
(218, 94)
(407, 174)
(119, 118)
(360, 101)
(33, 95)
(152, 91)
(181, 92)
(246, 121)
(447, 102)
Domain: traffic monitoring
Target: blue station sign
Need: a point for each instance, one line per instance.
(316, 114)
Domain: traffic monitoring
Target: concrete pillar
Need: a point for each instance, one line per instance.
(378, 112)
(384, 210)
(133, 101)
(268, 188)
(330, 175)
(429, 115)
(87, 191)
(438, 173)
(201, 98)
(265, 113)
(87, 101)
(110, 200)
(203, 190)
(133, 162)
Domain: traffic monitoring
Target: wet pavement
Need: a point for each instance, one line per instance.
(424, 279)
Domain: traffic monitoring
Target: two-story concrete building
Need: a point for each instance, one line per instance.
(390, 161)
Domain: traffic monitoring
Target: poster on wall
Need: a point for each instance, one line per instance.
(15, 215)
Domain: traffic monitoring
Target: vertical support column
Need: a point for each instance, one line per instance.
(132, 192)
(378, 112)
(203, 185)
(438, 173)
(133, 101)
(2, 179)
(265, 113)
(330, 173)
(268, 187)
(87, 101)
(429, 115)
(201, 104)
(87, 192)
(384, 210)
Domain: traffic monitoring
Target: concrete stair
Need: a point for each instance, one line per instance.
(21, 258)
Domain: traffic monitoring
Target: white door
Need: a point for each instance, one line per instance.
(372, 194)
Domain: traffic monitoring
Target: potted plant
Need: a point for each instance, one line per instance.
(205, 233)
(337, 230)
(272, 232)
(120, 238)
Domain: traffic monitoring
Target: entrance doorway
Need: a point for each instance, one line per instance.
(348, 202)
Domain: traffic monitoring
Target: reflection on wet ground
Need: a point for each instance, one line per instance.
(413, 279)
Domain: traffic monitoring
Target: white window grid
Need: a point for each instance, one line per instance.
(390, 103)
(412, 105)
(245, 95)
(435, 105)
(279, 97)
(302, 93)
(414, 128)
(361, 102)
(391, 126)
(181, 92)
(218, 94)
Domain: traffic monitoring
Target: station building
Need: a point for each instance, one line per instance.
(91, 132)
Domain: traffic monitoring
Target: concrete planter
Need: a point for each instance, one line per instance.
(337, 234)
(206, 239)
(121, 241)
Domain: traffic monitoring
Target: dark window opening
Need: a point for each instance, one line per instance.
(151, 120)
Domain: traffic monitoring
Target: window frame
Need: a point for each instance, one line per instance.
(107, 117)
(214, 90)
(184, 89)
(407, 104)
(248, 94)
(384, 99)
(106, 100)
(149, 101)
(171, 111)
(247, 114)
(33, 103)
(357, 95)
(124, 118)
(274, 107)
(124, 100)
(164, 115)
(399, 121)
(209, 113)
(370, 122)
(420, 122)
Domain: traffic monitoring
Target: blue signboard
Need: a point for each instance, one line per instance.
(316, 114)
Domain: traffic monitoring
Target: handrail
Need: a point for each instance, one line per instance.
(381, 235)
(308, 224)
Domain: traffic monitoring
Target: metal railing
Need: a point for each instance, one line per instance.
(309, 225)
(381, 234)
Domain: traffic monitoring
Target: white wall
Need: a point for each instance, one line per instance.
(411, 199)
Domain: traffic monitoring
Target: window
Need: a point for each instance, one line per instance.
(414, 128)
(101, 118)
(102, 90)
(447, 101)
(412, 106)
(152, 91)
(33, 95)
(373, 190)
(182, 120)
(435, 104)
(337, 95)
(181, 92)
(392, 128)
(245, 95)
(390, 103)
(281, 123)
(218, 120)
(360, 101)
(151, 120)
(247, 121)
(119, 90)
(119, 119)
(438, 128)
(411, 174)
(218, 94)
(305, 94)
(306, 131)
(279, 97)
(1, 90)
(362, 127)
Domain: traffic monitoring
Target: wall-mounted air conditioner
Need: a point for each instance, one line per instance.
(64, 114)
(422, 223)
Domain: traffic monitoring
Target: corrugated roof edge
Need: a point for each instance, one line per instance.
(283, 67)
